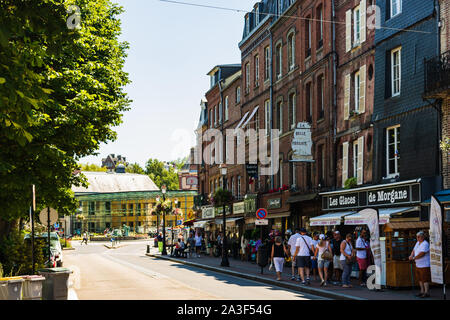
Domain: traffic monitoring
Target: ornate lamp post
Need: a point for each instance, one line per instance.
(225, 262)
(164, 190)
(176, 204)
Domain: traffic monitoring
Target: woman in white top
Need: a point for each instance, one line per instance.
(347, 256)
(322, 264)
(421, 256)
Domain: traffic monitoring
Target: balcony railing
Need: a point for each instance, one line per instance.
(437, 75)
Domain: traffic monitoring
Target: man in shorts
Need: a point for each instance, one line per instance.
(291, 244)
(303, 252)
(337, 264)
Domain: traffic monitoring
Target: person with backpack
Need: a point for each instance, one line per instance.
(324, 255)
(303, 253)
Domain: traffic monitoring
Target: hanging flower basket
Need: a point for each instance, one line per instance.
(80, 217)
(222, 198)
(164, 206)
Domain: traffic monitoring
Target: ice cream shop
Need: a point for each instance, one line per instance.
(401, 216)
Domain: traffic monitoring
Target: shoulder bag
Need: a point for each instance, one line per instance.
(311, 253)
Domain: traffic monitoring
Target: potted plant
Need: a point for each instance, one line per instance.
(350, 183)
(222, 198)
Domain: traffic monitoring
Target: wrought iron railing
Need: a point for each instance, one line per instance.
(437, 74)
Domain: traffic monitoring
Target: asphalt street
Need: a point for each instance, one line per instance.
(128, 274)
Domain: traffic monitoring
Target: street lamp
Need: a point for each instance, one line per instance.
(225, 263)
(163, 190)
(176, 204)
(157, 217)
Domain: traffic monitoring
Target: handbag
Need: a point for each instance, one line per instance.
(352, 259)
(327, 255)
(271, 265)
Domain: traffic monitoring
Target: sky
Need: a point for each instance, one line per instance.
(172, 48)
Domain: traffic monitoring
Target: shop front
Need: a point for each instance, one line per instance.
(401, 216)
(278, 212)
(303, 207)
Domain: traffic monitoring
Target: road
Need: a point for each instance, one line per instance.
(128, 274)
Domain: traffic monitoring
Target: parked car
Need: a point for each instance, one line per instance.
(56, 255)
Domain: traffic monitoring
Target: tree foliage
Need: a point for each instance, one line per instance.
(445, 144)
(135, 168)
(161, 176)
(92, 168)
(61, 92)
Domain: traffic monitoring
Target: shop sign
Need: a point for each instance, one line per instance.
(407, 194)
(302, 143)
(239, 208)
(274, 203)
(263, 222)
(252, 170)
(219, 211)
(250, 205)
(335, 222)
(208, 212)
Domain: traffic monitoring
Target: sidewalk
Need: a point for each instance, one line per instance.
(252, 271)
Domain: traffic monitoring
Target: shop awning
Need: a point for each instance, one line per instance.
(443, 197)
(385, 215)
(302, 197)
(229, 220)
(329, 219)
(279, 215)
(200, 224)
(408, 225)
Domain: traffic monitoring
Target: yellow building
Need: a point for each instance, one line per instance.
(113, 200)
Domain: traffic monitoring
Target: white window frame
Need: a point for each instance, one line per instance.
(247, 24)
(357, 84)
(393, 74)
(247, 77)
(397, 4)
(355, 159)
(280, 60)
(257, 14)
(356, 26)
(291, 50)
(396, 143)
(226, 108)
(267, 116)
(321, 23)
(256, 70)
(293, 107)
(238, 94)
(280, 117)
(267, 63)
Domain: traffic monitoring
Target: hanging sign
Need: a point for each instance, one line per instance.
(302, 143)
(436, 242)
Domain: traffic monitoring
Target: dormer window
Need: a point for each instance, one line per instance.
(247, 25)
(257, 15)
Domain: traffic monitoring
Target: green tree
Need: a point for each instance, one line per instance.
(92, 168)
(445, 144)
(160, 175)
(135, 168)
(61, 93)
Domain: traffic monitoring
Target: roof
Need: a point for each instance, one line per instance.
(104, 182)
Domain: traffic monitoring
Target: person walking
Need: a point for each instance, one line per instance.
(324, 255)
(337, 264)
(85, 238)
(303, 253)
(244, 244)
(421, 256)
(279, 250)
(362, 256)
(191, 244)
(198, 243)
(315, 242)
(347, 260)
(292, 246)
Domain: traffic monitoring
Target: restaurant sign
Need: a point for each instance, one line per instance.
(207, 212)
(239, 208)
(403, 194)
(274, 203)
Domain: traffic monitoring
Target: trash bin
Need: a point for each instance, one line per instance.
(262, 257)
(160, 246)
(56, 284)
(11, 288)
(32, 287)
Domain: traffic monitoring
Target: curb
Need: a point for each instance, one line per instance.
(309, 290)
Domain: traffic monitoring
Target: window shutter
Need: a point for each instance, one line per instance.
(361, 160)
(344, 163)
(363, 10)
(388, 74)
(348, 30)
(347, 97)
(362, 89)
